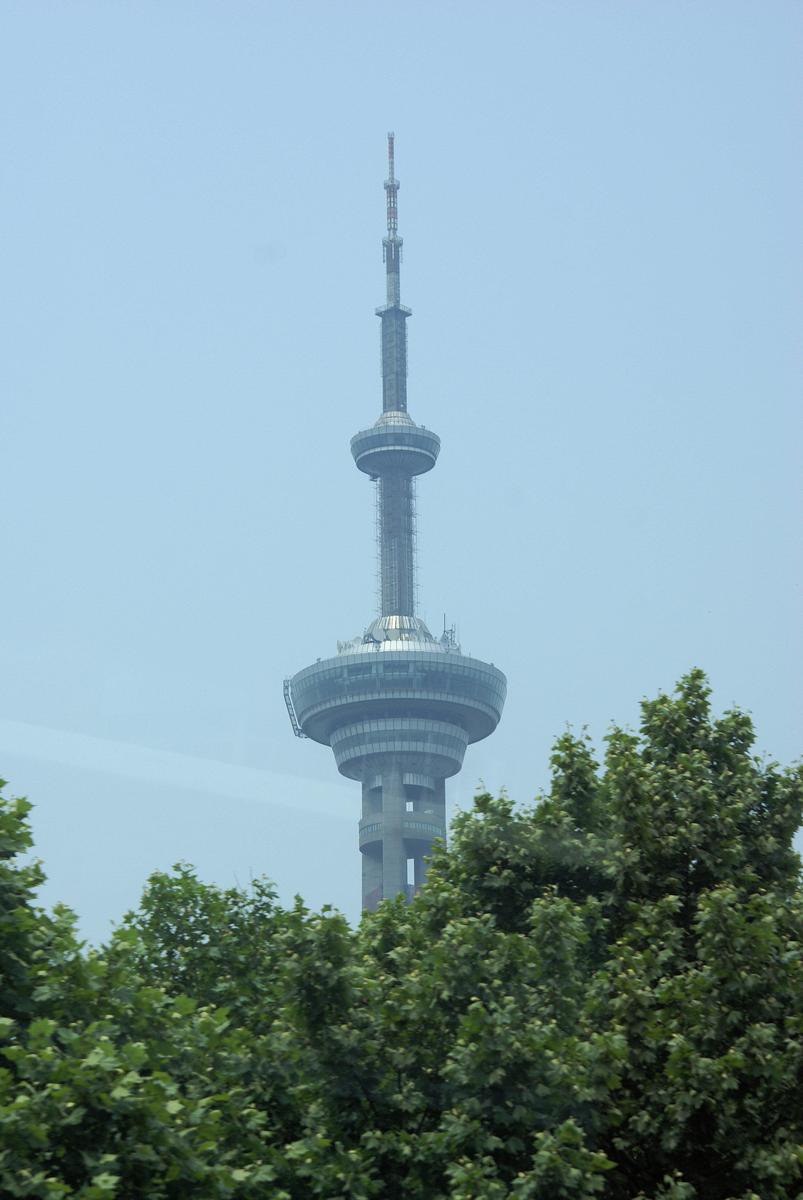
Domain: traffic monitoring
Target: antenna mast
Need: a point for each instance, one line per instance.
(392, 189)
(392, 244)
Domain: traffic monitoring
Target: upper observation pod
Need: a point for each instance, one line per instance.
(395, 443)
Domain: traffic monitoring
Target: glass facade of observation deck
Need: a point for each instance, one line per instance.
(411, 439)
(472, 691)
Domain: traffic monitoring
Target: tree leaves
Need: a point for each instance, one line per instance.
(600, 995)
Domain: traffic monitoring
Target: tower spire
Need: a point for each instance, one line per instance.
(392, 244)
(392, 187)
(394, 315)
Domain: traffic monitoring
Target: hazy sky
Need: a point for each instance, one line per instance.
(600, 205)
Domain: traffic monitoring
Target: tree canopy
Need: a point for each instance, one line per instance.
(599, 995)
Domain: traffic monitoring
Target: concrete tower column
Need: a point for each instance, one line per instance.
(394, 855)
(433, 807)
(371, 875)
(372, 852)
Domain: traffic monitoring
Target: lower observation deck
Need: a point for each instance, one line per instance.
(398, 709)
(436, 686)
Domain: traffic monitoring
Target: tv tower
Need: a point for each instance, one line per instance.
(397, 706)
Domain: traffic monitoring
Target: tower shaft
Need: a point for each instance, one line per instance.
(397, 544)
(394, 352)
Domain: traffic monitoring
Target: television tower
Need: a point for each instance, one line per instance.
(397, 706)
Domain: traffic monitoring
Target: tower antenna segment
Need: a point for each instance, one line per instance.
(392, 188)
(391, 254)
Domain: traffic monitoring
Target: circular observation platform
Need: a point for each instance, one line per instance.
(395, 442)
(414, 698)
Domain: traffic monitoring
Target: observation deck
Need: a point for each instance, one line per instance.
(398, 709)
(399, 682)
(395, 442)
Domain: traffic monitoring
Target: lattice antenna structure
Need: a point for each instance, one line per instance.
(392, 188)
(392, 244)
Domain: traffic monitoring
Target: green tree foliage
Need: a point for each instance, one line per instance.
(597, 996)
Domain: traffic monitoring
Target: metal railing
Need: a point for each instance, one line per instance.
(291, 710)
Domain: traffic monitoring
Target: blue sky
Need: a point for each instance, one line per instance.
(600, 210)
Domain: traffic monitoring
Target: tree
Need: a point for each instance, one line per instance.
(597, 996)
